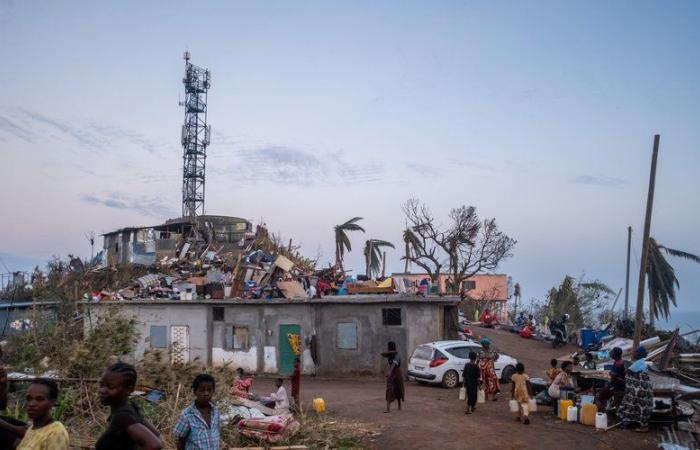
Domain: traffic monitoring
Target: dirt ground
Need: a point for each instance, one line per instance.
(434, 417)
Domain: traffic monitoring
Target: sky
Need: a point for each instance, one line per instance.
(540, 114)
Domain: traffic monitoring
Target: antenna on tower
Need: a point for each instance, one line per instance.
(195, 137)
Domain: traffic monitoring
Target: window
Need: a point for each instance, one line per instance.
(236, 337)
(468, 285)
(218, 314)
(391, 316)
(347, 335)
(459, 352)
(159, 336)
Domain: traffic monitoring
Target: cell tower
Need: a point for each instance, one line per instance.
(195, 138)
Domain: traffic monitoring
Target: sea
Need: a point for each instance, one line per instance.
(685, 320)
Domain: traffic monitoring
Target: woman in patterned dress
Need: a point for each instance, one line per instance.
(487, 357)
(638, 402)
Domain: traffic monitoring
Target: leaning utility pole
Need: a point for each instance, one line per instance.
(638, 323)
(627, 276)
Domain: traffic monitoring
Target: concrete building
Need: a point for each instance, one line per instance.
(146, 245)
(338, 336)
(489, 290)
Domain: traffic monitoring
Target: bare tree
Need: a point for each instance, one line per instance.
(467, 245)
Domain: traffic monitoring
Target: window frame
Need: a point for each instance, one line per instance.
(389, 313)
(338, 334)
(164, 328)
(215, 311)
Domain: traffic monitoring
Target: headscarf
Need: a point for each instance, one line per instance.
(485, 342)
(641, 352)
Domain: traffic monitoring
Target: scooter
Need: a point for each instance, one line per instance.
(559, 335)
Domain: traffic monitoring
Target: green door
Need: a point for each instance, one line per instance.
(287, 354)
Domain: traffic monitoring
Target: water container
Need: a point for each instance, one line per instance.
(587, 337)
(601, 421)
(462, 393)
(588, 413)
(563, 407)
(572, 414)
(319, 405)
(532, 405)
(513, 404)
(481, 396)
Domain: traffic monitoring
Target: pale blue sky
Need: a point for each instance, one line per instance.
(541, 114)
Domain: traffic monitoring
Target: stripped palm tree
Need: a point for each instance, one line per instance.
(373, 256)
(342, 241)
(411, 242)
(661, 279)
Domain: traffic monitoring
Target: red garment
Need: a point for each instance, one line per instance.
(526, 333)
(488, 319)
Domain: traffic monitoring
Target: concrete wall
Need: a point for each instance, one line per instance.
(194, 316)
(421, 322)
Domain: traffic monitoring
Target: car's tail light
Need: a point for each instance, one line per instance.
(438, 362)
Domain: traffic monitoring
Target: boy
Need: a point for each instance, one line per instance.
(198, 427)
(279, 399)
(520, 392)
(471, 376)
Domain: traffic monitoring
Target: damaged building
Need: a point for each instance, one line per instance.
(146, 245)
(333, 336)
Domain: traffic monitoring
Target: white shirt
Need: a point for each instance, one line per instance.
(280, 398)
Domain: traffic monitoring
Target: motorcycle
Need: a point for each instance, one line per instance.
(558, 332)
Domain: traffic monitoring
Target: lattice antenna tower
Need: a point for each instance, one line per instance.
(195, 138)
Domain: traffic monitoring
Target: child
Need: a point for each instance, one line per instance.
(553, 371)
(589, 364)
(241, 386)
(45, 433)
(520, 392)
(279, 399)
(471, 376)
(126, 428)
(296, 381)
(198, 427)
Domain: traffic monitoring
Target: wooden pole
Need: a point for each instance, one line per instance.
(645, 247)
(627, 276)
(384, 265)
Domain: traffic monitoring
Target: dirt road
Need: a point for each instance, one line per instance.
(433, 417)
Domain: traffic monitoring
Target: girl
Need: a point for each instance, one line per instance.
(45, 433)
(126, 428)
(520, 392)
(198, 428)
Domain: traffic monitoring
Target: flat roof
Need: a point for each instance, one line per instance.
(332, 299)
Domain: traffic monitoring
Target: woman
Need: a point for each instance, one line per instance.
(240, 386)
(562, 381)
(638, 402)
(126, 427)
(487, 358)
(45, 433)
(394, 377)
(616, 387)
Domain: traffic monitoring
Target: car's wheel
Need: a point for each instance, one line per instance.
(507, 372)
(451, 379)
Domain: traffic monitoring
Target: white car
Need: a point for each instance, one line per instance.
(443, 361)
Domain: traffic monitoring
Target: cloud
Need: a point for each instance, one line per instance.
(113, 132)
(285, 165)
(77, 133)
(439, 168)
(15, 130)
(599, 180)
(153, 206)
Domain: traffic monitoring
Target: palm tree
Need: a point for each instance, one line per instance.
(342, 242)
(661, 279)
(373, 256)
(411, 241)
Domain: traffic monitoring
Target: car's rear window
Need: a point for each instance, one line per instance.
(423, 352)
